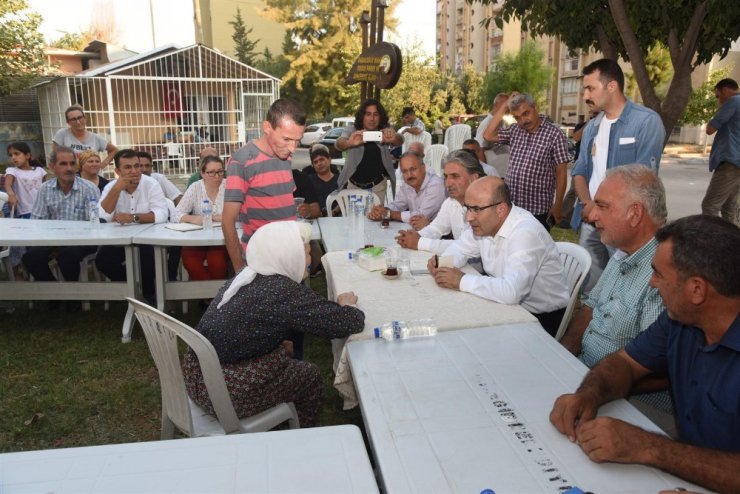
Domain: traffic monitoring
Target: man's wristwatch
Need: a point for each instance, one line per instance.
(136, 218)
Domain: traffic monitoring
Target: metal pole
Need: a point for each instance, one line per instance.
(380, 6)
(364, 21)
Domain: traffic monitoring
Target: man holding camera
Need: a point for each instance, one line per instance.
(369, 162)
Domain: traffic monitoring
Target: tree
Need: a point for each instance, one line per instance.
(245, 50)
(693, 30)
(659, 70)
(525, 72)
(471, 83)
(702, 104)
(21, 46)
(326, 40)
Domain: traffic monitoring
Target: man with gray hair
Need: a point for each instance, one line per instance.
(538, 164)
(629, 208)
(460, 169)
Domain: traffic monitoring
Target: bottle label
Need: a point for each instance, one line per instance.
(396, 330)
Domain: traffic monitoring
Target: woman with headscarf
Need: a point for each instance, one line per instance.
(251, 317)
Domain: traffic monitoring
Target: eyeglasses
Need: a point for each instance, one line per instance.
(478, 209)
(76, 119)
(213, 173)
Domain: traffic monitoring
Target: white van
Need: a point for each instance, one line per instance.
(343, 121)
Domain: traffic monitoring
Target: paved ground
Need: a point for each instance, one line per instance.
(683, 170)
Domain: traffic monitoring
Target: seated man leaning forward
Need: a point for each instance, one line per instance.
(131, 198)
(418, 199)
(629, 208)
(519, 256)
(252, 316)
(460, 169)
(696, 343)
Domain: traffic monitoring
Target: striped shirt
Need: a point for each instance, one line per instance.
(53, 204)
(532, 164)
(263, 184)
(624, 305)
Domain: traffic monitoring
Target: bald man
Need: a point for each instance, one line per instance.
(520, 259)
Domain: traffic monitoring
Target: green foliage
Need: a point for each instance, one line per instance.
(702, 104)
(71, 41)
(471, 83)
(659, 69)
(245, 50)
(525, 72)
(21, 46)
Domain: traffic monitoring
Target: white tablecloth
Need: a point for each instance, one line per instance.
(469, 410)
(336, 233)
(415, 297)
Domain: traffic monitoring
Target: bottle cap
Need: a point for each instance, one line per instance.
(377, 332)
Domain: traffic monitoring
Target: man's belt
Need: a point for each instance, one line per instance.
(368, 184)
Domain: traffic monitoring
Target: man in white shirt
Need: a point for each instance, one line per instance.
(131, 198)
(496, 155)
(474, 147)
(520, 259)
(419, 197)
(169, 189)
(460, 169)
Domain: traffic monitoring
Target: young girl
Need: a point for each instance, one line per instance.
(22, 181)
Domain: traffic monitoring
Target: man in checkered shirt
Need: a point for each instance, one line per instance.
(538, 163)
(629, 208)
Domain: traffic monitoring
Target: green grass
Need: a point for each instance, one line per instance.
(67, 380)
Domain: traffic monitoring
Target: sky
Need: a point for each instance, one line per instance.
(416, 21)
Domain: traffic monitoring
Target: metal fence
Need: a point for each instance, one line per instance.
(171, 105)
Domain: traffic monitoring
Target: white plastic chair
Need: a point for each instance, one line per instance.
(425, 138)
(341, 197)
(576, 264)
(456, 135)
(433, 157)
(178, 410)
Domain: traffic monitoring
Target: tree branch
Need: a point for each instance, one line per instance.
(605, 44)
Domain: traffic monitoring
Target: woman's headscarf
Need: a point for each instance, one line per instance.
(276, 248)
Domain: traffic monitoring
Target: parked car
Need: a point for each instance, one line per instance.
(342, 121)
(314, 132)
(330, 138)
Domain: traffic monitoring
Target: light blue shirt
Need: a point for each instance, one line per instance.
(637, 136)
(53, 204)
(624, 305)
(427, 201)
(726, 145)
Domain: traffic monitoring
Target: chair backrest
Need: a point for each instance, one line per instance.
(433, 157)
(161, 332)
(425, 138)
(456, 135)
(576, 264)
(341, 197)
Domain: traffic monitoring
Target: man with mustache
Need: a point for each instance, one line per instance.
(623, 133)
(538, 163)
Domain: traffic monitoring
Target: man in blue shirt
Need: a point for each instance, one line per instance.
(724, 161)
(65, 197)
(622, 133)
(696, 344)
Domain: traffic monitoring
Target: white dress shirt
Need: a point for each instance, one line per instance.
(522, 263)
(450, 219)
(427, 201)
(169, 189)
(490, 171)
(148, 197)
(192, 201)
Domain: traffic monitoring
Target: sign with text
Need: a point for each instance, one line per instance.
(379, 65)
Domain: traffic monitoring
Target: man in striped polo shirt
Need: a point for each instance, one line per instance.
(259, 183)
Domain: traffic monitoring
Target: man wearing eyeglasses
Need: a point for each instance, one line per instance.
(79, 139)
(520, 260)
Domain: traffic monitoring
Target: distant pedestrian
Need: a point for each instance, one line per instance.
(724, 160)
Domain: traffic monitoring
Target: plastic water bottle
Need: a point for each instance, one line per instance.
(207, 215)
(402, 330)
(92, 208)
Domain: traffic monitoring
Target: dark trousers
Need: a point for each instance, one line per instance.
(36, 260)
(173, 262)
(551, 320)
(111, 261)
(542, 218)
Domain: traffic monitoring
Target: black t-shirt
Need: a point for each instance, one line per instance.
(370, 168)
(303, 188)
(323, 189)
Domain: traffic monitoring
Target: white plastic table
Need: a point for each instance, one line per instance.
(321, 460)
(161, 237)
(404, 299)
(469, 410)
(35, 233)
